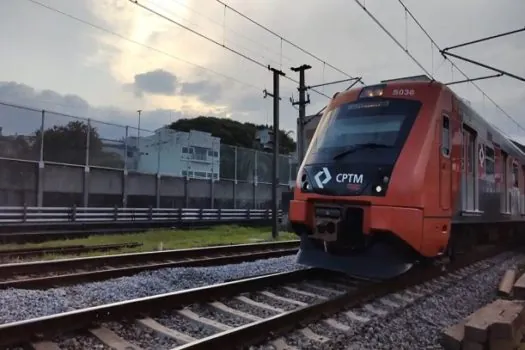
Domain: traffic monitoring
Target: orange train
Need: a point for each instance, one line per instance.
(403, 172)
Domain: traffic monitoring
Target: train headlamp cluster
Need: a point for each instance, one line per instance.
(372, 91)
(303, 182)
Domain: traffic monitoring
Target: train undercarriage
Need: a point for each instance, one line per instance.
(337, 243)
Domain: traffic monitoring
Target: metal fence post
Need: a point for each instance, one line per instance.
(235, 179)
(74, 213)
(24, 214)
(150, 213)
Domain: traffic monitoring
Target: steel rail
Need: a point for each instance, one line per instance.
(66, 249)
(258, 331)
(52, 325)
(46, 327)
(208, 256)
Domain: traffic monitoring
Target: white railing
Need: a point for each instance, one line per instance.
(13, 215)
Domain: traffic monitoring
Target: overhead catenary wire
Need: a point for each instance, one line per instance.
(50, 8)
(285, 40)
(457, 68)
(224, 28)
(250, 59)
(453, 65)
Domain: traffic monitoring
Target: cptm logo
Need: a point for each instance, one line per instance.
(327, 177)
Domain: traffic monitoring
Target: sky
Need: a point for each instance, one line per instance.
(117, 57)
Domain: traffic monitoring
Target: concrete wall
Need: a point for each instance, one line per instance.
(29, 184)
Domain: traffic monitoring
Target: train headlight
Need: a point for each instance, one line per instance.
(379, 188)
(372, 91)
(303, 182)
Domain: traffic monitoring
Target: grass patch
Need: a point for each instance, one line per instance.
(168, 238)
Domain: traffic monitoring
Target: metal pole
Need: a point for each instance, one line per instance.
(275, 137)
(138, 132)
(302, 111)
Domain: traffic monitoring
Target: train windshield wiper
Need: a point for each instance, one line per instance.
(354, 148)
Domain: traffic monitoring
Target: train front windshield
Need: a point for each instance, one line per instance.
(349, 132)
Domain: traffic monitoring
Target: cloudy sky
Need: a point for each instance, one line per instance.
(138, 60)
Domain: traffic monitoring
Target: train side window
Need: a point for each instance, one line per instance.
(489, 161)
(445, 137)
(515, 174)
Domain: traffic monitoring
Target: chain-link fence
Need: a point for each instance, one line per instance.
(53, 159)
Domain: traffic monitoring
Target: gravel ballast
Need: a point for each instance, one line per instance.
(417, 324)
(20, 304)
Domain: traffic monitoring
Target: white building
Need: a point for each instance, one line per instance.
(264, 138)
(194, 154)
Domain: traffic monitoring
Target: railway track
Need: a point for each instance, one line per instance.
(235, 314)
(25, 253)
(61, 272)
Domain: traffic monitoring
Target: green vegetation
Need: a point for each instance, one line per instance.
(63, 144)
(168, 239)
(232, 132)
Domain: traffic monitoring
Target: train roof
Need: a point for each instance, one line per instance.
(487, 130)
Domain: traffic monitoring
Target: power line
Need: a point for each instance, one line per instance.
(393, 38)
(141, 44)
(457, 68)
(284, 39)
(437, 46)
(254, 61)
(223, 26)
(267, 48)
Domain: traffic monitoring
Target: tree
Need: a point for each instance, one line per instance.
(232, 132)
(68, 144)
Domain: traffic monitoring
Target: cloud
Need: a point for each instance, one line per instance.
(21, 113)
(207, 91)
(96, 64)
(157, 82)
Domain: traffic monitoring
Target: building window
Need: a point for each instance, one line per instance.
(200, 153)
(200, 174)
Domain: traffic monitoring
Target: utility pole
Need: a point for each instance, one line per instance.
(275, 138)
(138, 132)
(302, 111)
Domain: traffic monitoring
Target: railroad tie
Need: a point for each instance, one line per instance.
(403, 297)
(302, 292)
(352, 315)
(388, 302)
(308, 333)
(112, 340)
(259, 304)
(336, 324)
(323, 289)
(374, 310)
(225, 308)
(286, 300)
(280, 344)
(45, 345)
(212, 323)
(165, 331)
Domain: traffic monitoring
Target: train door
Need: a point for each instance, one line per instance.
(469, 183)
(445, 171)
(522, 191)
(505, 207)
(515, 190)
